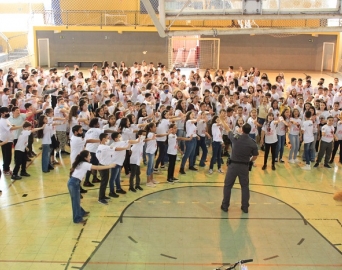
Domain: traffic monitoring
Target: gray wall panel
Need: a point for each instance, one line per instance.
(94, 46)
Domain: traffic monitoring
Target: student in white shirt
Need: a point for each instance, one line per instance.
(45, 134)
(338, 143)
(6, 135)
(172, 152)
(295, 127)
(308, 138)
(216, 134)
(190, 150)
(120, 147)
(78, 170)
(326, 145)
(20, 153)
(135, 159)
(104, 154)
(269, 135)
(284, 120)
(151, 147)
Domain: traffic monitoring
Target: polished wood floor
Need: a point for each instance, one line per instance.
(293, 223)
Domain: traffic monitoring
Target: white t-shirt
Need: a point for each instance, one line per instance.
(281, 128)
(172, 144)
(339, 130)
(84, 115)
(151, 146)
(294, 129)
(5, 133)
(307, 127)
(137, 151)
(190, 129)
(76, 146)
(201, 128)
(217, 134)
(270, 133)
(81, 170)
(104, 154)
(5, 100)
(93, 133)
(329, 133)
(254, 129)
(59, 114)
(163, 128)
(47, 134)
(119, 156)
(22, 140)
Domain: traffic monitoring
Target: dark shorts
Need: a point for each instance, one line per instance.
(226, 139)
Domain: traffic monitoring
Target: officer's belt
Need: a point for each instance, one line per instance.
(239, 162)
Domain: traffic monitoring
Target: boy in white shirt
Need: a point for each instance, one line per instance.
(135, 159)
(326, 145)
(20, 153)
(307, 137)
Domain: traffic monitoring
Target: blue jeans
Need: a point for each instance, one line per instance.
(307, 152)
(181, 144)
(313, 149)
(280, 146)
(216, 157)
(201, 143)
(190, 152)
(45, 157)
(74, 191)
(115, 178)
(150, 161)
(294, 140)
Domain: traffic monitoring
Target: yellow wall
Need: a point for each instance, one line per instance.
(100, 5)
(17, 40)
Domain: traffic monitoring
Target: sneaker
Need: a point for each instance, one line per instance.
(175, 179)
(276, 160)
(296, 160)
(87, 184)
(327, 166)
(316, 165)
(192, 168)
(155, 182)
(155, 170)
(132, 189)
(170, 181)
(178, 159)
(264, 167)
(281, 161)
(103, 201)
(24, 174)
(96, 180)
(220, 171)
(121, 191)
(162, 167)
(7, 172)
(210, 171)
(15, 177)
(181, 171)
(65, 152)
(83, 190)
(150, 184)
(139, 187)
(273, 167)
(113, 195)
(292, 161)
(307, 167)
(331, 161)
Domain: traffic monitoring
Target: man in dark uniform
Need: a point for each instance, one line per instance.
(244, 151)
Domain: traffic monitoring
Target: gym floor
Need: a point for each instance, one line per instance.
(293, 222)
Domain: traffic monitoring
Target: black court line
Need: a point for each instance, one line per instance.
(67, 193)
(213, 218)
(301, 241)
(199, 186)
(24, 195)
(75, 246)
(338, 244)
(131, 238)
(75, 267)
(270, 258)
(167, 256)
(95, 241)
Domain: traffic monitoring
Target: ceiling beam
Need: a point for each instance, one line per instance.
(254, 31)
(214, 16)
(154, 17)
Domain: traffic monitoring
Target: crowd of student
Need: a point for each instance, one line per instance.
(119, 117)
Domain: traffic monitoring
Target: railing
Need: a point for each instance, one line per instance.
(18, 63)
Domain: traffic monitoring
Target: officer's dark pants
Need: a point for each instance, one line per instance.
(241, 171)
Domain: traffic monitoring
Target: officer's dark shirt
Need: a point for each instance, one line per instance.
(243, 147)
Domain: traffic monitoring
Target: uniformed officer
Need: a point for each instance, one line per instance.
(244, 151)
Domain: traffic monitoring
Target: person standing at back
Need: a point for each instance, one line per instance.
(244, 151)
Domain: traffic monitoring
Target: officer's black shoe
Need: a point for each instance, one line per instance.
(264, 167)
(273, 167)
(245, 210)
(181, 171)
(224, 209)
